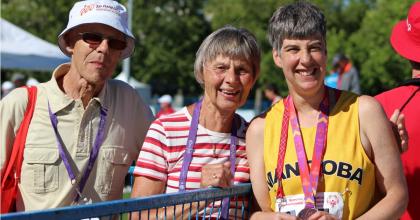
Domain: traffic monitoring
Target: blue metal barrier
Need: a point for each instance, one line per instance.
(123, 209)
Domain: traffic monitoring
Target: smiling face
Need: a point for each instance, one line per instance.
(94, 62)
(303, 62)
(227, 82)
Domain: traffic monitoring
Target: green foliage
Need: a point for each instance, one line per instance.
(169, 33)
(343, 19)
(44, 19)
(254, 16)
(380, 66)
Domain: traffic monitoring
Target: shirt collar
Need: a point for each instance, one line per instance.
(58, 99)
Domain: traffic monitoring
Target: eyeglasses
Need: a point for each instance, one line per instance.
(96, 39)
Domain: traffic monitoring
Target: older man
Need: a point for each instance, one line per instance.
(86, 129)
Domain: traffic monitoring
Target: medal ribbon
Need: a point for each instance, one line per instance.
(192, 136)
(310, 177)
(93, 154)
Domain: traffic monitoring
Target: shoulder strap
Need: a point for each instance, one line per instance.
(409, 99)
(16, 158)
(413, 81)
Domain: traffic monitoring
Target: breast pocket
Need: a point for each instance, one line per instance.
(113, 167)
(40, 170)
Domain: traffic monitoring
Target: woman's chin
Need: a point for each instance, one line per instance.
(228, 105)
(310, 86)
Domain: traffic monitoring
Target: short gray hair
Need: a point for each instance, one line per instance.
(228, 41)
(296, 21)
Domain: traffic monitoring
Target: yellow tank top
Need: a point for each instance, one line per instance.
(345, 164)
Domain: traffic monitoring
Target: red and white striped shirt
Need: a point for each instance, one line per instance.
(161, 156)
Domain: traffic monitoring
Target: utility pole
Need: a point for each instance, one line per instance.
(126, 62)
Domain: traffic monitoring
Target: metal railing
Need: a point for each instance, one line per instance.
(122, 209)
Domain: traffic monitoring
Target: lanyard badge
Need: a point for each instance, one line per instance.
(92, 157)
(309, 177)
(192, 136)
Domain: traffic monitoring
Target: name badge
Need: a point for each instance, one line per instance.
(331, 202)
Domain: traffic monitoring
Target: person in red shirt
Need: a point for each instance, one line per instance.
(165, 106)
(405, 99)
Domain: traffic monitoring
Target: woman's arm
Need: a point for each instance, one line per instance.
(255, 154)
(379, 142)
(144, 186)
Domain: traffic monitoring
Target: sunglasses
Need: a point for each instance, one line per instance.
(96, 39)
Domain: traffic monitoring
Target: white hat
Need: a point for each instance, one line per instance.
(165, 99)
(7, 85)
(105, 12)
(32, 82)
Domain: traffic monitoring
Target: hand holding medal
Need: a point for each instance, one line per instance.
(306, 213)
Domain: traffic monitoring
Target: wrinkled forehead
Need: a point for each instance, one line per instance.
(226, 60)
(231, 49)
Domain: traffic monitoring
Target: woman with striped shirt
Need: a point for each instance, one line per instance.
(203, 145)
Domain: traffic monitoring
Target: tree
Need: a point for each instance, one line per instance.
(44, 19)
(169, 33)
(381, 67)
(254, 16)
(343, 19)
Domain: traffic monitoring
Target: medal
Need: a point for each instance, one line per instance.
(306, 213)
(309, 176)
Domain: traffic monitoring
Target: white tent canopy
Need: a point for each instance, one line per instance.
(22, 50)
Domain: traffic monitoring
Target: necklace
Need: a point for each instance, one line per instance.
(212, 139)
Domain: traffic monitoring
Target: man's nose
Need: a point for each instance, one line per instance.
(103, 46)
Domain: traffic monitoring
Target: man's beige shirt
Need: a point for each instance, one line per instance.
(45, 182)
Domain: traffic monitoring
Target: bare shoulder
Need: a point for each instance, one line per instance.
(375, 129)
(369, 109)
(256, 126)
(255, 134)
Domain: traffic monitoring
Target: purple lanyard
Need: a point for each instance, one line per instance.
(192, 136)
(93, 154)
(309, 178)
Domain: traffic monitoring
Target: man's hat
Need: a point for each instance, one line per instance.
(165, 99)
(7, 85)
(107, 12)
(405, 37)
